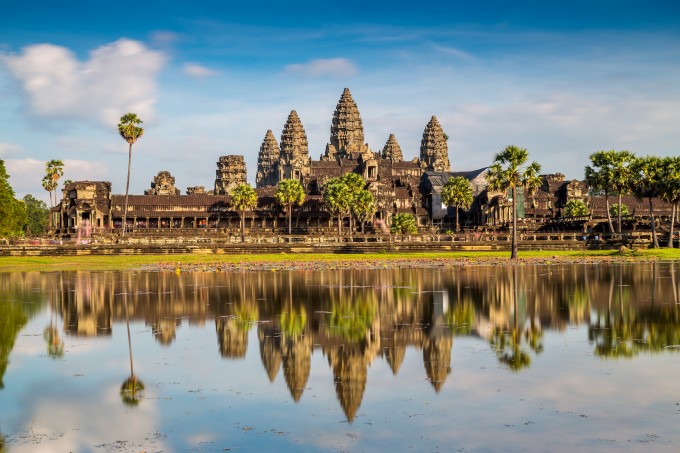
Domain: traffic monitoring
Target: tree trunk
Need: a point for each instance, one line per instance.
(609, 215)
(243, 226)
(513, 254)
(655, 243)
(457, 228)
(127, 188)
(290, 218)
(127, 321)
(619, 214)
(339, 223)
(670, 235)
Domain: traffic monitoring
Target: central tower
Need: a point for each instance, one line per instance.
(347, 130)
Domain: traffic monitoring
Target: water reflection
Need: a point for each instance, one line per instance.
(354, 317)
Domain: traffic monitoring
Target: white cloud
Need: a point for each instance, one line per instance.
(8, 149)
(335, 67)
(197, 70)
(117, 78)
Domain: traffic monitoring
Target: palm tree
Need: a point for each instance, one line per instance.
(48, 185)
(512, 176)
(457, 193)
(335, 196)
(243, 198)
(598, 177)
(621, 175)
(54, 170)
(131, 392)
(355, 185)
(363, 207)
(404, 223)
(670, 188)
(290, 192)
(130, 131)
(645, 182)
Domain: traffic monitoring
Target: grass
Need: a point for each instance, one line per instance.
(127, 262)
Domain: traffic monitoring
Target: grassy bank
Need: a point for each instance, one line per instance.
(59, 263)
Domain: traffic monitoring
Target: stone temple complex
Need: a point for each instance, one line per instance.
(398, 186)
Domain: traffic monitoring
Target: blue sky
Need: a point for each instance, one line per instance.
(209, 78)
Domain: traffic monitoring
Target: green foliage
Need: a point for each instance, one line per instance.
(290, 192)
(457, 193)
(243, 198)
(508, 172)
(37, 216)
(293, 322)
(575, 208)
(132, 391)
(404, 223)
(54, 169)
(352, 319)
(12, 211)
(346, 195)
(646, 175)
(128, 127)
(614, 210)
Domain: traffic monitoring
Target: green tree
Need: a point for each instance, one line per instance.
(615, 211)
(355, 185)
(575, 208)
(37, 215)
(335, 195)
(130, 131)
(404, 223)
(243, 198)
(610, 171)
(646, 182)
(290, 192)
(54, 169)
(670, 189)
(12, 211)
(457, 194)
(508, 172)
(598, 177)
(363, 207)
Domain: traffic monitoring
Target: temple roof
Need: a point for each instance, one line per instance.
(294, 138)
(433, 148)
(392, 150)
(347, 126)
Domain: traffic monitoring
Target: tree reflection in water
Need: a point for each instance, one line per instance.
(353, 317)
(132, 390)
(55, 345)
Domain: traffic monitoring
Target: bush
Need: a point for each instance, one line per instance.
(404, 223)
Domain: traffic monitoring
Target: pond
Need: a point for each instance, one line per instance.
(475, 358)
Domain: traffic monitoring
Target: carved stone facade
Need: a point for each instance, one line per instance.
(267, 161)
(196, 190)
(231, 171)
(434, 152)
(392, 150)
(163, 184)
(294, 157)
(347, 131)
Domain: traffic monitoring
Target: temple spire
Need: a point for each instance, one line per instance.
(347, 126)
(267, 161)
(392, 150)
(434, 152)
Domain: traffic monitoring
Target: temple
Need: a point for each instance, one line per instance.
(398, 186)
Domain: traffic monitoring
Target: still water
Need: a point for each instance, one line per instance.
(517, 358)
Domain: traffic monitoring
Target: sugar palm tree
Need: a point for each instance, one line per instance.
(670, 188)
(54, 169)
(646, 182)
(335, 195)
(290, 192)
(457, 193)
(363, 207)
(131, 392)
(598, 177)
(508, 172)
(621, 175)
(243, 198)
(129, 130)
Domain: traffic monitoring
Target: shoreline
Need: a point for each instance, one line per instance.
(324, 261)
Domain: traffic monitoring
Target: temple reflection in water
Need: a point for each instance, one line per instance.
(354, 317)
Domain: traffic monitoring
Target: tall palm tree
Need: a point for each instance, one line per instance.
(335, 196)
(598, 177)
(621, 175)
(131, 392)
(670, 188)
(508, 172)
(290, 192)
(130, 131)
(645, 182)
(54, 170)
(363, 207)
(243, 198)
(457, 193)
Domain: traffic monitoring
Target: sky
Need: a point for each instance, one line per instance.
(209, 78)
